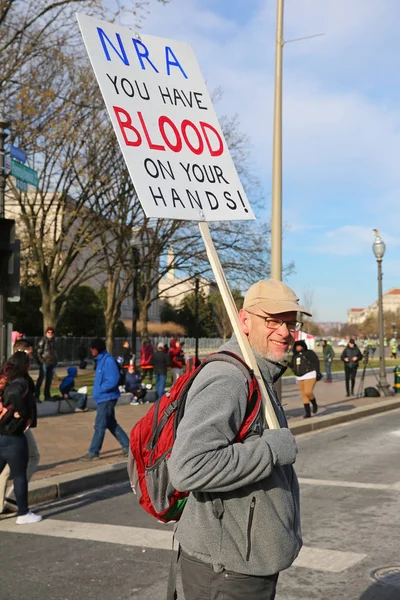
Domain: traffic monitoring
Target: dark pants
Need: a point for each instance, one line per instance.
(147, 373)
(350, 376)
(160, 384)
(14, 452)
(328, 369)
(46, 372)
(200, 582)
(105, 419)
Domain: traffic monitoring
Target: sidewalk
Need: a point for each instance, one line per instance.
(63, 439)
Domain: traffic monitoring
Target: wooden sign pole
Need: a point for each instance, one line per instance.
(231, 309)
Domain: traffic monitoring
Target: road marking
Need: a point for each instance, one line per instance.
(95, 532)
(350, 484)
(320, 559)
(331, 561)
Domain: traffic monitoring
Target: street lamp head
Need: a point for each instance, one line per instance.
(378, 246)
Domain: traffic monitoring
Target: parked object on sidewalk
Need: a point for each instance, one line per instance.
(105, 394)
(47, 358)
(371, 392)
(152, 439)
(16, 391)
(397, 379)
(68, 391)
(351, 357)
(305, 365)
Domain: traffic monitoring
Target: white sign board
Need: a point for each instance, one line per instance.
(166, 125)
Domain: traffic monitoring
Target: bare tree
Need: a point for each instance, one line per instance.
(59, 119)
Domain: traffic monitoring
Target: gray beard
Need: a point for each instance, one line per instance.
(272, 356)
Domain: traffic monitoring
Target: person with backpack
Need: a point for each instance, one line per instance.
(351, 356)
(67, 389)
(17, 411)
(305, 365)
(105, 394)
(241, 523)
(7, 495)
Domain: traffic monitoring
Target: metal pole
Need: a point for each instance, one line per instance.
(3, 317)
(196, 313)
(383, 384)
(276, 221)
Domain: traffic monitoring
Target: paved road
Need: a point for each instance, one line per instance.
(101, 546)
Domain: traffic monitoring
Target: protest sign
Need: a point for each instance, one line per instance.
(165, 123)
(171, 141)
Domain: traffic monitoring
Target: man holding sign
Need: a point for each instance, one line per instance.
(241, 524)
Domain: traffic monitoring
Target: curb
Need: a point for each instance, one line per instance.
(317, 423)
(61, 486)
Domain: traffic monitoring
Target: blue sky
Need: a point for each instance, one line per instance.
(341, 127)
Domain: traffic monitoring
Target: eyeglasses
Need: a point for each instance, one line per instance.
(276, 323)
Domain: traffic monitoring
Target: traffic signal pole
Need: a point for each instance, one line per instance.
(3, 320)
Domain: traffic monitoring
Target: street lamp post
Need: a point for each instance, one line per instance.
(379, 248)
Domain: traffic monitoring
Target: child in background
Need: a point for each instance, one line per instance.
(134, 386)
(67, 390)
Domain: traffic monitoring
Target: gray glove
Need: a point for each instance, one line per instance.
(282, 445)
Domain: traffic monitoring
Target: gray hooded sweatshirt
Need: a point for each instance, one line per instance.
(243, 513)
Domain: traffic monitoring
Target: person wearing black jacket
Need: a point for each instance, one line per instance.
(16, 413)
(351, 356)
(305, 365)
(7, 501)
(160, 361)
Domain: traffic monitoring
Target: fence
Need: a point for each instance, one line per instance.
(68, 348)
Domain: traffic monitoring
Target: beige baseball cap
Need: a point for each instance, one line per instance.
(273, 297)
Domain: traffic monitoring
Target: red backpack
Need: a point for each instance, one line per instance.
(153, 437)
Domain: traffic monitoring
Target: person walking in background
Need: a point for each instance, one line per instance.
(146, 354)
(305, 365)
(47, 359)
(175, 358)
(105, 394)
(161, 362)
(17, 410)
(351, 356)
(329, 354)
(67, 389)
(7, 496)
